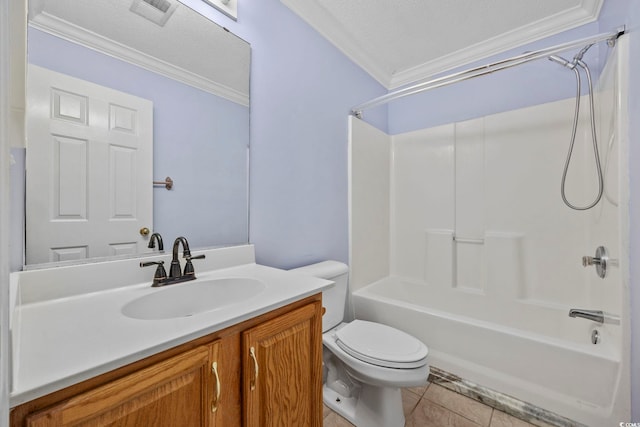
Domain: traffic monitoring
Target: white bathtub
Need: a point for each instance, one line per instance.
(577, 381)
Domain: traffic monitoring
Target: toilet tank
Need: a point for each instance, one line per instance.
(333, 299)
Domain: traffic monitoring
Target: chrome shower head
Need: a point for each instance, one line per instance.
(560, 60)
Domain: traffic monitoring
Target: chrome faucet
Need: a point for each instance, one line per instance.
(156, 237)
(176, 275)
(595, 315)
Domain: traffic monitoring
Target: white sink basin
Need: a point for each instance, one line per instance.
(189, 298)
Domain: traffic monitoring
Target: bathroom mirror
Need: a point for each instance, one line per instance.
(196, 75)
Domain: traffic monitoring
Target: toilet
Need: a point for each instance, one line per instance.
(364, 363)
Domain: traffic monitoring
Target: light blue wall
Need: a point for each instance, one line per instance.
(302, 89)
(533, 83)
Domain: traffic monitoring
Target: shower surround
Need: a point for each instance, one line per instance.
(459, 236)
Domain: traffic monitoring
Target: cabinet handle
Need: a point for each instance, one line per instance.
(214, 369)
(252, 353)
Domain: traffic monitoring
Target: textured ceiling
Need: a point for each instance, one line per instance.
(400, 41)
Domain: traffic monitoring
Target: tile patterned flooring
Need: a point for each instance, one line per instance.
(436, 406)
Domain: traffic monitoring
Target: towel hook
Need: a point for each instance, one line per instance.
(168, 183)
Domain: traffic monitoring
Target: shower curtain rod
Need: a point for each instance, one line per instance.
(485, 69)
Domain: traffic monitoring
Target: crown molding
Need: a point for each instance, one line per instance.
(91, 40)
(227, 7)
(571, 18)
(318, 18)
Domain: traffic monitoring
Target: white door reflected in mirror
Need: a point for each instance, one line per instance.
(89, 169)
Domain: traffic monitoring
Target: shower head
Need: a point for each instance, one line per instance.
(560, 60)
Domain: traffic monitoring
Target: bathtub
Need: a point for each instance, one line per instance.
(579, 381)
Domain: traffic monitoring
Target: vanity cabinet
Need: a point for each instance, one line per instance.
(281, 359)
(264, 371)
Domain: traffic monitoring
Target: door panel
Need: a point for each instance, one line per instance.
(282, 363)
(89, 169)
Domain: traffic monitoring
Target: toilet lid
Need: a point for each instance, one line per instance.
(381, 345)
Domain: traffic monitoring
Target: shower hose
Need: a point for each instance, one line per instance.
(573, 140)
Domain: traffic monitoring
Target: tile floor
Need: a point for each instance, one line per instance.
(436, 406)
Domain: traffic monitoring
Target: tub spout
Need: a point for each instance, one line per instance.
(595, 315)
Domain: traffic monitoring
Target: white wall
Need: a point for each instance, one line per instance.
(4, 213)
(631, 17)
(370, 192)
(495, 182)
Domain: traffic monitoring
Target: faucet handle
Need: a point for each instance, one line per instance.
(600, 261)
(188, 267)
(160, 275)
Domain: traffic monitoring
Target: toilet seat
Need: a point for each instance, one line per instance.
(381, 345)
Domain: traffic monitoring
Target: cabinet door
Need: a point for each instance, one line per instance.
(180, 391)
(282, 370)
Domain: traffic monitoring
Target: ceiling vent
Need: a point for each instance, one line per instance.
(156, 11)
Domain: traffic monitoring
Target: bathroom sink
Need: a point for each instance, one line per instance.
(190, 298)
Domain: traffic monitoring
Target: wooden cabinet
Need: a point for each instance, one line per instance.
(266, 371)
(282, 360)
(181, 390)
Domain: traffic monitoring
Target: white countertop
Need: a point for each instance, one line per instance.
(63, 341)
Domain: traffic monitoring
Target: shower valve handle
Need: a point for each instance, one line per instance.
(600, 261)
(589, 260)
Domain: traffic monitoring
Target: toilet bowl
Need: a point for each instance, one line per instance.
(365, 363)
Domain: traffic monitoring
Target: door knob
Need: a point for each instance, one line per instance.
(144, 231)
